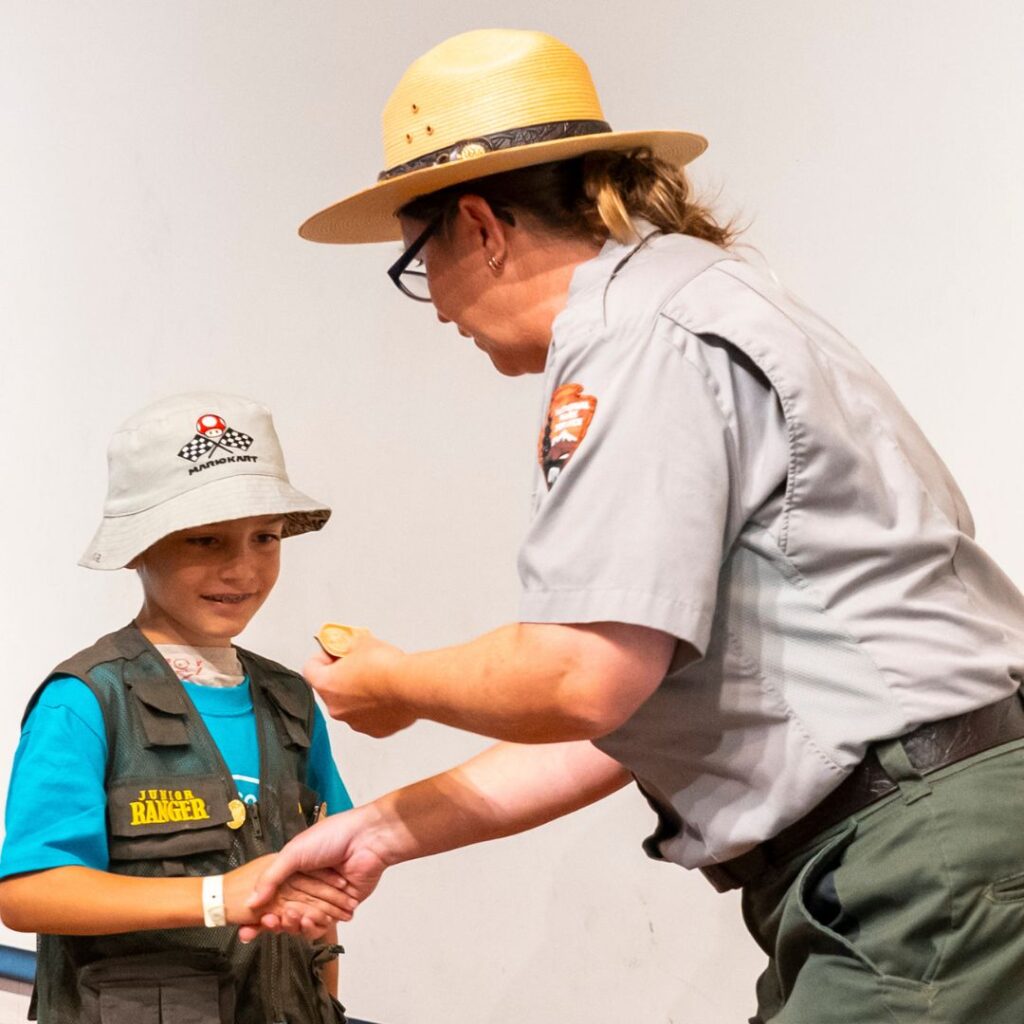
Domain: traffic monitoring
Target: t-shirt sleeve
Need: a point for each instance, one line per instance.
(56, 804)
(633, 490)
(323, 773)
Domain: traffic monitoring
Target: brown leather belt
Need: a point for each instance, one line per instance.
(929, 747)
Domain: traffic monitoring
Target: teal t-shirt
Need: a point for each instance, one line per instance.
(57, 803)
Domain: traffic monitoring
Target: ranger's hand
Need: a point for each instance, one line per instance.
(355, 686)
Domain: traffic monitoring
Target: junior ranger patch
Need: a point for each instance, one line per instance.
(159, 806)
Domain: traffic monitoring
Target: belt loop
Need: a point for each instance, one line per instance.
(892, 756)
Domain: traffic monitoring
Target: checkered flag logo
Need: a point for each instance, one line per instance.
(196, 448)
(212, 432)
(236, 439)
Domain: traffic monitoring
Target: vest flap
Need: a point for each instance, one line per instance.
(154, 967)
(287, 698)
(162, 710)
(157, 694)
(292, 711)
(147, 807)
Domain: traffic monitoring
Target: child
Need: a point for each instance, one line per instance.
(178, 758)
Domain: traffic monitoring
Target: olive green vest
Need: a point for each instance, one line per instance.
(173, 810)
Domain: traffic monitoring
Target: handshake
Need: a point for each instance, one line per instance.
(291, 891)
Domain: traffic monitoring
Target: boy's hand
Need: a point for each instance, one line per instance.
(355, 687)
(304, 903)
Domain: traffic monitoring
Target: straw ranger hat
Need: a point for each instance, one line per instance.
(189, 460)
(479, 103)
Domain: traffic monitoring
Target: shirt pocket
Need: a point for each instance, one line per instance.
(171, 819)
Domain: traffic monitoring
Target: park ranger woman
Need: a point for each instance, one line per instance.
(749, 583)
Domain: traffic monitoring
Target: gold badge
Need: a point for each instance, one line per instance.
(237, 809)
(470, 150)
(336, 640)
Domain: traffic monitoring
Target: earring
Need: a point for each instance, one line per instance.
(495, 264)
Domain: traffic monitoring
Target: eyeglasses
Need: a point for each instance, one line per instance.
(413, 281)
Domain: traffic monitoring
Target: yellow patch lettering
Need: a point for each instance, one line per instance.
(161, 806)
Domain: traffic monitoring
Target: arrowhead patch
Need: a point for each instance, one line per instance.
(568, 420)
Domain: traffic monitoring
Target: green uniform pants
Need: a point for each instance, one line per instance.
(911, 910)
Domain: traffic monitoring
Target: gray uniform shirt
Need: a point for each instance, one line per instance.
(716, 462)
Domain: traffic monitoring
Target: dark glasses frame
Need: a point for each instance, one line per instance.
(401, 265)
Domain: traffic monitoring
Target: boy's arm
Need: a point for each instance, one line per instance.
(84, 901)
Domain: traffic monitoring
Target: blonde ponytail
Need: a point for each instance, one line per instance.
(609, 209)
(636, 184)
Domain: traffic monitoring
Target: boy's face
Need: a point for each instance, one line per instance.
(203, 585)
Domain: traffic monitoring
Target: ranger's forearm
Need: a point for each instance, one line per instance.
(535, 682)
(507, 789)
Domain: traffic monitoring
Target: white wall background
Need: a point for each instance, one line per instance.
(157, 159)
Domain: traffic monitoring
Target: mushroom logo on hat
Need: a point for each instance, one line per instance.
(211, 425)
(213, 432)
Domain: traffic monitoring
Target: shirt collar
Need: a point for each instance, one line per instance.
(595, 275)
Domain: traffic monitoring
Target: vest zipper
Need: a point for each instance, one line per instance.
(275, 996)
(257, 825)
(276, 951)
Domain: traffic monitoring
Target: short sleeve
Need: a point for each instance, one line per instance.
(56, 803)
(632, 506)
(323, 773)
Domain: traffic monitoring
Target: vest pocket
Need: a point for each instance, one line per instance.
(169, 819)
(300, 807)
(292, 714)
(158, 988)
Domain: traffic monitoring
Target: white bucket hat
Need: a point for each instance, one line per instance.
(193, 459)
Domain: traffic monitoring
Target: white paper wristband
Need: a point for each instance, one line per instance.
(214, 915)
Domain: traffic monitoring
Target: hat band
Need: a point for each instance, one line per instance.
(508, 139)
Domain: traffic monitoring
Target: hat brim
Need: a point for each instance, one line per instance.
(119, 539)
(369, 216)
